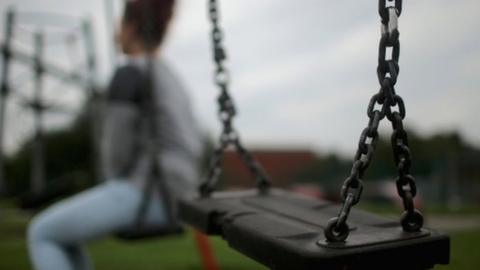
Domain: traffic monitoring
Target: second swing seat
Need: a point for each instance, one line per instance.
(147, 232)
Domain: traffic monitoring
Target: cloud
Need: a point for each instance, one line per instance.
(302, 73)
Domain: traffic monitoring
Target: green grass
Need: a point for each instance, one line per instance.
(465, 252)
(172, 253)
(179, 253)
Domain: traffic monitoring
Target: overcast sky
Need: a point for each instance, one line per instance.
(303, 71)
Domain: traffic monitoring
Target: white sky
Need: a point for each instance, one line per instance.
(303, 71)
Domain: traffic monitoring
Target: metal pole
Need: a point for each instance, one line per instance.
(94, 101)
(109, 23)
(4, 91)
(205, 249)
(38, 162)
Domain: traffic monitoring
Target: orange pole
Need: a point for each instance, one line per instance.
(206, 252)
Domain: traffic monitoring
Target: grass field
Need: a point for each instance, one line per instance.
(179, 253)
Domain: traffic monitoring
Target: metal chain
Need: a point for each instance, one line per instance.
(229, 136)
(381, 105)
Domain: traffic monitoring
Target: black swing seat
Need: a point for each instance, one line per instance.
(283, 230)
(149, 232)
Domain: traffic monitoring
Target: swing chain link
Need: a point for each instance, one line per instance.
(226, 113)
(386, 99)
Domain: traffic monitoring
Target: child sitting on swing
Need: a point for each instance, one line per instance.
(56, 237)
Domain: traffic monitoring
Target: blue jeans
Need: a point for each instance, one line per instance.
(56, 236)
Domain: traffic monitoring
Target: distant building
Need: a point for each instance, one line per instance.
(283, 166)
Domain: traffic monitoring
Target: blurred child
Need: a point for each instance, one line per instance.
(57, 236)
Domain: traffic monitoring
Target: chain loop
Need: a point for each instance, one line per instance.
(393, 107)
(226, 112)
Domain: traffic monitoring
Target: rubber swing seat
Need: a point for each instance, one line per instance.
(283, 230)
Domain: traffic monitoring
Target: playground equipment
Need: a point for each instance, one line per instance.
(283, 230)
(82, 77)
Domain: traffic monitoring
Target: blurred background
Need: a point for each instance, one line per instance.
(302, 75)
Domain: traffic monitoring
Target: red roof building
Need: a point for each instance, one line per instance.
(283, 166)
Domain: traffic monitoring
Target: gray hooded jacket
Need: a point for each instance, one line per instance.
(126, 139)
